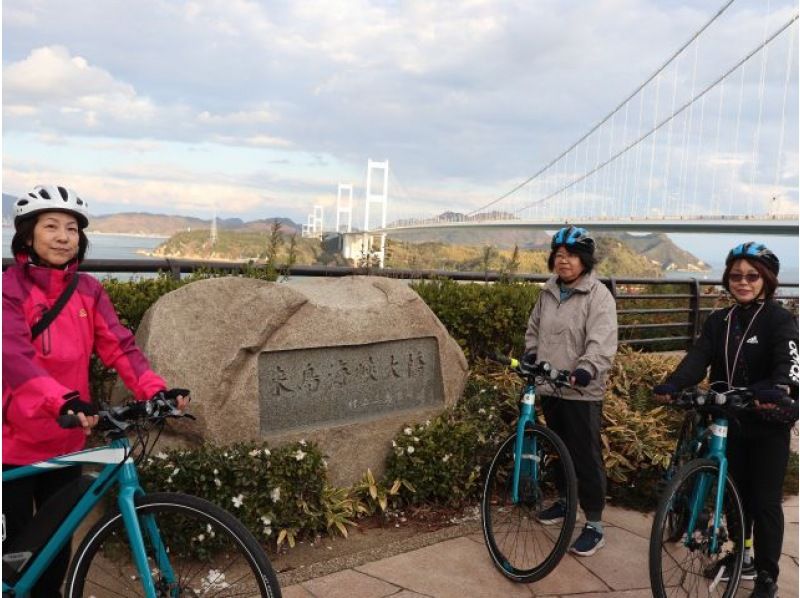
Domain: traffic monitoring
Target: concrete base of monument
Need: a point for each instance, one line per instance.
(342, 362)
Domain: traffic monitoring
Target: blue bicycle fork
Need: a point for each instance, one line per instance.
(716, 452)
(525, 454)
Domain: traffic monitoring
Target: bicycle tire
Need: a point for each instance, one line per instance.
(102, 562)
(680, 570)
(542, 547)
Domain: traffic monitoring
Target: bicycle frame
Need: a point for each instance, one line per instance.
(119, 469)
(527, 415)
(715, 452)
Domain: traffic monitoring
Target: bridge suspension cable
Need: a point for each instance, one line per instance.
(686, 105)
(555, 160)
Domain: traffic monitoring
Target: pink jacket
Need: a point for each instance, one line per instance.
(37, 374)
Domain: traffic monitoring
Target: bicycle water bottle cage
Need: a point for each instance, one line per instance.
(19, 551)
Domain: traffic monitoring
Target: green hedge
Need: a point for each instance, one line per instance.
(483, 318)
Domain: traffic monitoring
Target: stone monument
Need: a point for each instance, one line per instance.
(343, 362)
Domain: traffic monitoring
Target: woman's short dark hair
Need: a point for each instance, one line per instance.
(767, 275)
(587, 259)
(23, 235)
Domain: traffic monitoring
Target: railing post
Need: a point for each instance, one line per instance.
(694, 315)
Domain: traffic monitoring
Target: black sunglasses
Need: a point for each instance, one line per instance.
(749, 277)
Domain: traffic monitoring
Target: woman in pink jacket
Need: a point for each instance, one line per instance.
(48, 376)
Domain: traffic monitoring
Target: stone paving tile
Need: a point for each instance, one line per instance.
(622, 563)
(790, 540)
(477, 538)
(618, 594)
(407, 594)
(569, 577)
(349, 584)
(452, 569)
(296, 591)
(791, 514)
(789, 579)
(633, 521)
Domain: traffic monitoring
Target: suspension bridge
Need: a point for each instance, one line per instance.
(707, 143)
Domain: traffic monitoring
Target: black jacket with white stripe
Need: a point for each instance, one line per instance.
(768, 355)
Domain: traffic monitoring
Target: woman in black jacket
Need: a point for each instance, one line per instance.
(751, 344)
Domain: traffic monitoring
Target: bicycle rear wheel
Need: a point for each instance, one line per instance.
(686, 566)
(210, 552)
(523, 548)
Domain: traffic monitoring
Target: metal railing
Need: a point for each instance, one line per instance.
(672, 319)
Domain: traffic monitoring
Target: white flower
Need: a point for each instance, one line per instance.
(169, 480)
(201, 537)
(267, 530)
(410, 449)
(266, 520)
(161, 455)
(238, 500)
(175, 471)
(408, 431)
(446, 458)
(394, 444)
(218, 482)
(302, 442)
(300, 455)
(254, 453)
(266, 452)
(482, 411)
(275, 495)
(216, 472)
(427, 423)
(415, 439)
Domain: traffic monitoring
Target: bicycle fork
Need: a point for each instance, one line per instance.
(716, 452)
(134, 527)
(526, 459)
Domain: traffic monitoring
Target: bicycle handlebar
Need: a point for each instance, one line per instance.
(737, 398)
(542, 371)
(135, 413)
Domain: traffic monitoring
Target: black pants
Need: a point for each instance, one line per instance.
(578, 425)
(757, 458)
(19, 498)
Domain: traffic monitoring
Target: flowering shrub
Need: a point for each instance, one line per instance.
(277, 493)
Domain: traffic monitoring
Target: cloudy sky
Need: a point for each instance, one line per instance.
(261, 108)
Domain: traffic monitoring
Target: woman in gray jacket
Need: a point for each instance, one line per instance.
(574, 327)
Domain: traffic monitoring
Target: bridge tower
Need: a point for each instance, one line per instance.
(344, 210)
(381, 198)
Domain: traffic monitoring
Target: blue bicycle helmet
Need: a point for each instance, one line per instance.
(754, 251)
(574, 239)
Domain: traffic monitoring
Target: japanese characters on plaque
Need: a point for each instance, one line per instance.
(329, 385)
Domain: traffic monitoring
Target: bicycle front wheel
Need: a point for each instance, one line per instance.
(193, 547)
(688, 564)
(523, 546)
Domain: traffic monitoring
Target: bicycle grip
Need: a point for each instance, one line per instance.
(69, 421)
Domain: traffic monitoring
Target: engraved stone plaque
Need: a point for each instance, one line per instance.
(341, 384)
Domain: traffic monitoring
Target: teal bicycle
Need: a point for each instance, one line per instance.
(155, 545)
(697, 539)
(531, 471)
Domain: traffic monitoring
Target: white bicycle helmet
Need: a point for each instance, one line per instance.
(46, 198)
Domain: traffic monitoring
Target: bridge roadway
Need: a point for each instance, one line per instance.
(782, 225)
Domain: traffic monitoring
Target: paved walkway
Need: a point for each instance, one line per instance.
(460, 568)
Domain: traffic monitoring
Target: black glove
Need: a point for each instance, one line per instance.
(171, 395)
(785, 410)
(527, 362)
(582, 377)
(665, 389)
(72, 402)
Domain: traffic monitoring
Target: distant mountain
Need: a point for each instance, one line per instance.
(8, 208)
(143, 223)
